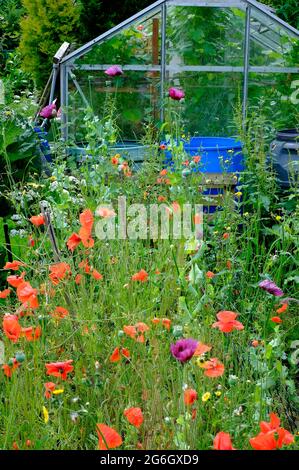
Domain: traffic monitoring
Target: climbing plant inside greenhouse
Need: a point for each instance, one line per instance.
(149, 227)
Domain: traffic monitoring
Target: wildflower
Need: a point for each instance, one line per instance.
(141, 276)
(272, 436)
(37, 220)
(276, 320)
(59, 313)
(210, 274)
(161, 198)
(11, 327)
(184, 349)
(73, 241)
(114, 71)
(176, 94)
(105, 212)
(255, 343)
(238, 194)
(271, 288)
(46, 415)
(108, 437)
(225, 236)
(86, 221)
(166, 323)
(14, 265)
(196, 158)
(8, 369)
(136, 331)
(96, 275)
(218, 393)
(60, 369)
(59, 271)
(229, 264)
(49, 111)
(134, 416)
(223, 441)
(118, 353)
(190, 396)
(202, 349)
(49, 388)
(283, 308)
(163, 172)
(213, 368)
(227, 322)
(78, 279)
(5, 293)
(15, 280)
(27, 294)
(31, 333)
(115, 159)
(205, 397)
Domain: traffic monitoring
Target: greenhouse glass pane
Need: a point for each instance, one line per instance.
(205, 36)
(139, 43)
(208, 109)
(277, 95)
(135, 97)
(271, 43)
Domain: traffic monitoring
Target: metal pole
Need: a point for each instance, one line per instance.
(246, 63)
(63, 101)
(163, 59)
(53, 84)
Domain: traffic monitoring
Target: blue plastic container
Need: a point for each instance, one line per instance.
(218, 154)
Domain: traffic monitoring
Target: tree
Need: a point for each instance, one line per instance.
(11, 13)
(97, 16)
(46, 25)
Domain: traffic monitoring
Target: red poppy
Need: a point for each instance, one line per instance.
(228, 264)
(31, 333)
(50, 387)
(84, 265)
(108, 437)
(114, 160)
(5, 293)
(213, 368)
(272, 436)
(223, 441)
(27, 294)
(96, 275)
(9, 369)
(282, 309)
(118, 353)
(37, 220)
(190, 396)
(78, 279)
(136, 331)
(163, 172)
(161, 198)
(276, 320)
(130, 330)
(134, 416)
(196, 159)
(59, 271)
(227, 322)
(141, 276)
(86, 221)
(60, 369)
(14, 280)
(201, 349)
(225, 236)
(14, 265)
(166, 323)
(255, 343)
(73, 241)
(11, 327)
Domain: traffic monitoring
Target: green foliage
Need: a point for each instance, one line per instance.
(46, 25)
(11, 12)
(288, 10)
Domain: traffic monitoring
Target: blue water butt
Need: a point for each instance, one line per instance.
(218, 154)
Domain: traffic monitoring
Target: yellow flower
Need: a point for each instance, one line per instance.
(238, 194)
(46, 414)
(58, 391)
(200, 362)
(218, 393)
(206, 396)
(52, 178)
(278, 218)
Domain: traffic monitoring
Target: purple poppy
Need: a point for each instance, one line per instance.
(114, 71)
(176, 94)
(271, 287)
(49, 111)
(184, 349)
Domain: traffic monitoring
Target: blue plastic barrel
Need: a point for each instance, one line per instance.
(218, 154)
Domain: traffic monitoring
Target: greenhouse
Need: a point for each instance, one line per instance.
(223, 54)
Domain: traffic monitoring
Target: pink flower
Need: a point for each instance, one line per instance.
(49, 111)
(227, 321)
(114, 71)
(176, 94)
(271, 287)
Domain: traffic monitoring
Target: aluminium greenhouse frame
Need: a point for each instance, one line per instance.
(160, 6)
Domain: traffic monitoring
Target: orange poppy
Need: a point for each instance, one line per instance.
(73, 241)
(78, 279)
(14, 265)
(14, 280)
(108, 437)
(196, 159)
(60, 369)
(201, 349)
(272, 436)
(96, 275)
(163, 172)
(141, 276)
(210, 274)
(255, 343)
(118, 353)
(114, 160)
(11, 327)
(59, 313)
(37, 220)
(161, 198)
(130, 330)
(223, 441)
(27, 294)
(190, 396)
(31, 333)
(9, 369)
(105, 212)
(228, 264)
(5, 293)
(134, 416)
(276, 320)
(227, 322)
(86, 221)
(141, 327)
(213, 368)
(50, 387)
(282, 309)
(59, 271)
(166, 323)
